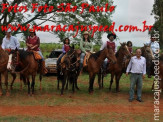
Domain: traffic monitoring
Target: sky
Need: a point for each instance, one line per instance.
(127, 12)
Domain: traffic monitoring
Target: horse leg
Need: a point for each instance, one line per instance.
(40, 77)
(76, 85)
(28, 85)
(58, 83)
(33, 84)
(102, 81)
(111, 81)
(67, 83)
(14, 77)
(6, 82)
(63, 84)
(118, 76)
(99, 80)
(91, 82)
(0, 86)
(73, 84)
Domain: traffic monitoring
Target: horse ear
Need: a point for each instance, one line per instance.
(120, 43)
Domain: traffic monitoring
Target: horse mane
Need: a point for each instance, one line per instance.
(96, 55)
(117, 53)
(23, 54)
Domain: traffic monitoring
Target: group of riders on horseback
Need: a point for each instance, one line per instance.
(71, 62)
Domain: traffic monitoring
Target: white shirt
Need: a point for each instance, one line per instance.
(137, 65)
(12, 43)
(154, 46)
(104, 45)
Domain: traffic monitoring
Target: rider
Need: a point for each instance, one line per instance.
(155, 47)
(33, 44)
(65, 49)
(129, 45)
(10, 42)
(85, 46)
(110, 43)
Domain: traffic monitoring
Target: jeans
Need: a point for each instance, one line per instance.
(135, 79)
(81, 60)
(41, 55)
(105, 64)
(60, 57)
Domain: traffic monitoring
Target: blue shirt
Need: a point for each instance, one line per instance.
(10, 44)
(137, 65)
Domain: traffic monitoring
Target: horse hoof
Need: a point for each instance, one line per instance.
(1, 94)
(11, 88)
(78, 89)
(91, 92)
(7, 94)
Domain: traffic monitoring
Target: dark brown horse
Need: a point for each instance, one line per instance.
(23, 62)
(123, 56)
(147, 53)
(95, 62)
(68, 70)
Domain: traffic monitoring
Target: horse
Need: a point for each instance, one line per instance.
(147, 53)
(68, 70)
(123, 57)
(3, 70)
(24, 62)
(95, 62)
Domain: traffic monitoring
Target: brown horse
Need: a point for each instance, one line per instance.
(3, 70)
(95, 62)
(23, 62)
(123, 56)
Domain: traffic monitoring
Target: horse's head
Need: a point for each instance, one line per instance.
(15, 59)
(110, 54)
(123, 50)
(147, 52)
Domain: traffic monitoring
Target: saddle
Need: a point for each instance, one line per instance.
(86, 57)
(37, 55)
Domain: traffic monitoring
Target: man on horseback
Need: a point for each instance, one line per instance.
(33, 44)
(155, 47)
(9, 43)
(110, 43)
(86, 47)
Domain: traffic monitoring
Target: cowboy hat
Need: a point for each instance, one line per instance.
(111, 34)
(86, 33)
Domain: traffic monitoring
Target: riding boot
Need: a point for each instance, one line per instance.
(81, 68)
(43, 68)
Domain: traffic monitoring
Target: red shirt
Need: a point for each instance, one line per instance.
(34, 41)
(112, 45)
(66, 47)
(130, 49)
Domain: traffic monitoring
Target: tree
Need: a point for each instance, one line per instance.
(62, 18)
(158, 25)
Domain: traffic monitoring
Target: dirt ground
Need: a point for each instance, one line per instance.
(102, 103)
